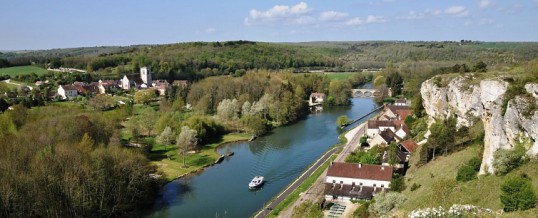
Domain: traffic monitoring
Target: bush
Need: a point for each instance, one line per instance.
(415, 186)
(506, 160)
(397, 183)
(466, 173)
(517, 194)
(362, 210)
(385, 202)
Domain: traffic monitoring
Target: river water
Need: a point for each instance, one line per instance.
(222, 190)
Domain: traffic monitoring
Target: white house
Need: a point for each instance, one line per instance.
(125, 83)
(67, 92)
(316, 98)
(377, 126)
(351, 181)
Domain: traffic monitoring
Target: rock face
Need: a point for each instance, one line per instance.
(470, 102)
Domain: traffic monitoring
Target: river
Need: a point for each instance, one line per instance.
(222, 190)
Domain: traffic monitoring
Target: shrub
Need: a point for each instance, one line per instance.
(517, 194)
(506, 160)
(415, 186)
(397, 183)
(466, 173)
(362, 210)
(385, 202)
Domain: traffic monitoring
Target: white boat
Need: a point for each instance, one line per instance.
(256, 182)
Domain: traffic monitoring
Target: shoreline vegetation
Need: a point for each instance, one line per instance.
(170, 166)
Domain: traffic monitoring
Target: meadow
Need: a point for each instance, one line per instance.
(20, 70)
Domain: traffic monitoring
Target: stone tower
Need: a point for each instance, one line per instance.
(145, 75)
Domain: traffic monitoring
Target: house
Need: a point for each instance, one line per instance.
(180, 83)
(377, 126)
(408, 146)
(316, 98)
(105, 86)
(401, 129)
(86, 89)
(67, 92)
(141, 80)
(352, 181)
(384, 138)
(393, 112)
(401, 102)
(161, 86)
(400, 161)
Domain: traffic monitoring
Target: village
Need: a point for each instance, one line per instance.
(348, 180)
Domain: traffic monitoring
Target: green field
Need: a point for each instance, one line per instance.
(14, 71)
(340, 75)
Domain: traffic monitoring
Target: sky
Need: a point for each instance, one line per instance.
(47, 24)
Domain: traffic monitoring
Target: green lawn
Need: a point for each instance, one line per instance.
(171, 166)
(14, 71)
(340, 75)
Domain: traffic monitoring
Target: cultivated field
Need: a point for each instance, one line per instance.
(14, 71)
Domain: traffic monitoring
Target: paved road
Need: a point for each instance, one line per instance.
(283, 195)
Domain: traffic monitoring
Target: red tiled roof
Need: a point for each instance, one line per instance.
(375, 124)
(69, 87)
(360, 171)
(410, 145)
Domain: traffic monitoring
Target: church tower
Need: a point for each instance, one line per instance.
(145, 75)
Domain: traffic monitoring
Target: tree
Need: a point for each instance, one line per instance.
(395, 82)
(517, 194)
(340, 90)
(506, 160)
(480, 67)
(185, 141)
(165, 138)
(228, 109)
(342, 120)
(144, 96)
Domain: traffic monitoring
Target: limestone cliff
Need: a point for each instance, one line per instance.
(470, 101)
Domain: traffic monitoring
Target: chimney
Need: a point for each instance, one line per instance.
(360, 165)
(334, 183)
(352, 186)
(341, 185)
(382, 168)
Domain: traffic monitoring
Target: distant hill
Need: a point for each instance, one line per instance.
(194, 59)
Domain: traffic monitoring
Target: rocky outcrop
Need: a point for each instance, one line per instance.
(470, 101)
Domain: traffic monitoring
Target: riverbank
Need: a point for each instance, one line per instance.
(313, 190)
(169, 163)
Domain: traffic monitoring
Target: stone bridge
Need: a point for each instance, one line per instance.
(364, 92)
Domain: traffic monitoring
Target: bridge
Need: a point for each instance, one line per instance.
(357, 93)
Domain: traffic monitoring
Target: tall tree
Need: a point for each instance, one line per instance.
(185, 141)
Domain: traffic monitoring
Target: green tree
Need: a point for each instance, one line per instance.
(340, 90)
(144, 96)
(165, 138)
(517, 194)
(342, 120)
(480, 67)
(186, 140)
(505, 160)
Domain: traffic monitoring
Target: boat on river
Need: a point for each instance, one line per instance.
(256, 182)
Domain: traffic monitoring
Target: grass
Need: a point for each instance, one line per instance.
(171, 166)
(302, 188)
(483, 192)
(340, 75)
(14, 71)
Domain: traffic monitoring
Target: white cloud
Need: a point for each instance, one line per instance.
(354, 21)
(484, 3)
(277, 12)
(332, 15)
(210, 30)
(467, 23)
(457, 11)
(304, 20)
(369, 19)
(375, 19)
(486, 21)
